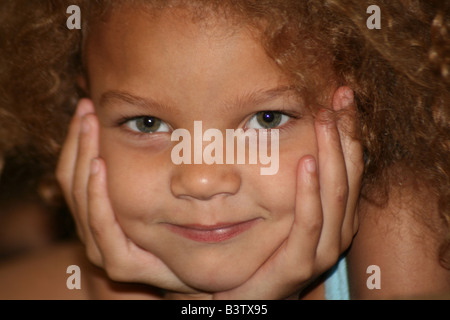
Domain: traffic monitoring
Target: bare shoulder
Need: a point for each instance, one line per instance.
(402, 239)
(42, 275)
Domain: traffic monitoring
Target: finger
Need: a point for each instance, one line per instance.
(87, 150)
(348, 124)
(292, 266)
(67, 159)
(308, 219)
(69, 151)
(105, 229)
(333, 187)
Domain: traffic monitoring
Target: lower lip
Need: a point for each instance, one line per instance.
(213, 235)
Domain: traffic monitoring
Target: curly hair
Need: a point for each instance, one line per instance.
(400, 74)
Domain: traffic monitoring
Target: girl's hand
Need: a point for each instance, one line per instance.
(325, 215)
(82, 177)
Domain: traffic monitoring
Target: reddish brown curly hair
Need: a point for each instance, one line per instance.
(400, 75)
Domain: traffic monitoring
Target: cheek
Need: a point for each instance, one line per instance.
(278, 191)
(135, 178)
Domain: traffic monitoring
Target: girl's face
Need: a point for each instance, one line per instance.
(213, 225)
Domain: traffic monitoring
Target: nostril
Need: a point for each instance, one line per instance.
(203, 182)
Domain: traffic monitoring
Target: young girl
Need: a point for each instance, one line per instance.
(330, 88)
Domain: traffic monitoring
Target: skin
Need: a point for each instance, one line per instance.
(402, 239)
(124, 189)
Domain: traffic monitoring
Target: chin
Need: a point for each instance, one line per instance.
(213, 270)
(216, 279)
(216, 267)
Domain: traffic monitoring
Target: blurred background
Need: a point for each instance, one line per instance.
(33, 214)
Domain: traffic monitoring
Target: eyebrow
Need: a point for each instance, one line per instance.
(255, 97)
(264, 95)
(112, 96)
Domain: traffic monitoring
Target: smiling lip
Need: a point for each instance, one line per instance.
(213, 233)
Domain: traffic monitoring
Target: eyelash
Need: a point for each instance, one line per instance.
(292, 116)
(125, 119)
(122, 123)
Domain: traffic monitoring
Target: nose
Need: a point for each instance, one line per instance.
(203, 181)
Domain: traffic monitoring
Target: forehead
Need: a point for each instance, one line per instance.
(143, 52)
(128, 30)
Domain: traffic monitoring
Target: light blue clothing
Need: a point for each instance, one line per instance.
(336, 284)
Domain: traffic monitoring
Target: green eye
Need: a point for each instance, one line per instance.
(267, 120)
(147, 125)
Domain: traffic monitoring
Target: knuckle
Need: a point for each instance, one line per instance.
(80, 232)
(305, 272)
(117, 266)
(359, 169)
(116, 271)
(315, 225)
(94, 228)
(331, 258)
(334, 257)
(355, 224)
(311, 223)
(341, 193)
(347, 234)
(94, 256)
(112, 272)
(62, 177)
(346, 241)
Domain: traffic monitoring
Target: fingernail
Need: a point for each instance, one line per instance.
(310, 165)
(95, 166)
(82, 109)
